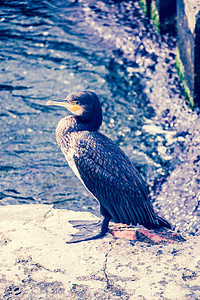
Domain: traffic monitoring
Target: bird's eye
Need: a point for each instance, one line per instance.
(77, 102)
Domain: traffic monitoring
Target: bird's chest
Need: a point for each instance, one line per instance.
(69, 155)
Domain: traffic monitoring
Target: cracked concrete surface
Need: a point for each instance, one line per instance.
(36, 263)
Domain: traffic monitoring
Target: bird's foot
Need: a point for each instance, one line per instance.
(86, 232)
(82, 238)
(84, 224)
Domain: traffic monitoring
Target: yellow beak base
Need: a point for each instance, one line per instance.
(72, 107)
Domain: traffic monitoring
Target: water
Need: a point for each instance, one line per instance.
(51, 48)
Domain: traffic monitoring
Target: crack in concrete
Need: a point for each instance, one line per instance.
(47, 215)
(114, 290)
(109, 285)
(49, 211)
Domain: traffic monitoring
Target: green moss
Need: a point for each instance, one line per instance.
(180, 71)
(143, 6)
(155, 16)
(179, 65)
(153, 13)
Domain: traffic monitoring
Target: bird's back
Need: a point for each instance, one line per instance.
(110, 176)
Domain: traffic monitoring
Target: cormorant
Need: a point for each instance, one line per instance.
(102, 166)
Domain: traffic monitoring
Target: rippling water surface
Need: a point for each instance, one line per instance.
(51, 48)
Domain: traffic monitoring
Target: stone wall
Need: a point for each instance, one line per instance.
(197, 59)
(182, 17)
(188, 43)
(167, 15)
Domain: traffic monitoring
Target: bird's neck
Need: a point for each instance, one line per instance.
(81, 124)
(92, 124)
(75, 124)
(71, 124)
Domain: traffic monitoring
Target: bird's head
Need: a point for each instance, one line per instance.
(85, 106)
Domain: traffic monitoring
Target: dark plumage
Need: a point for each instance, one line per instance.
(102, 166)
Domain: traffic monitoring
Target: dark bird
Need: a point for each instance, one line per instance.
(102, 166)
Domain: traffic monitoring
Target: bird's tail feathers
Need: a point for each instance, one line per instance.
(163, 223)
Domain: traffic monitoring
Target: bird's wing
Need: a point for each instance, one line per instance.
(111, 178)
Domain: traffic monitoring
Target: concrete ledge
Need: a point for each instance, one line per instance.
(36, 263)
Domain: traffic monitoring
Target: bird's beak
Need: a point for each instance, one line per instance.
(70, 106)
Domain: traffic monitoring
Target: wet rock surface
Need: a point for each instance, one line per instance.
(175, 129)
(36, 262)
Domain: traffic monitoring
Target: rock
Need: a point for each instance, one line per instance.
(153, 237)
(36, 262)
(188, 36)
